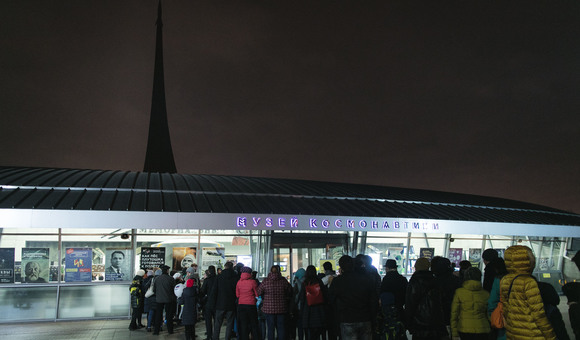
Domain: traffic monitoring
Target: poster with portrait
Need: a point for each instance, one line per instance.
(456, 256)
(184, 257)
(35, 265)
(427, 253)
(6, 265)
(213, 256)
(152, 257)
(117, 264)
(78, 264)
(475, 256)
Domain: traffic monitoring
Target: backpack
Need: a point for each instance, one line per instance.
(313, 294)
(136, 296)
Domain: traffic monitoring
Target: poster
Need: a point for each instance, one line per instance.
(117, 262)
(475, 256)
(98, 270)
(6, 265)
(35, 265)
(184, 257)
(213, 256)
(456, 256)
(427, 253)
(78, 264)
(152, 257)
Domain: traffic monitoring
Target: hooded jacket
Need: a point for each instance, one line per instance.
(469, 309)
(246, 290)
(523, 309)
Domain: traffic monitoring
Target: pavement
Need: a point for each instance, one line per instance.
(118, 329)
(113, 329)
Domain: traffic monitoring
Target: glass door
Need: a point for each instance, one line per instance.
(299, 250)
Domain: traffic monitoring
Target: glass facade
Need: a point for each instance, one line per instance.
(49, 274)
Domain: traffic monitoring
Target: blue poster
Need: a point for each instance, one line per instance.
(78, 264)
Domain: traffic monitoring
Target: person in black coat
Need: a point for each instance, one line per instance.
(189, 311)
(551, 301)
(355, 296)
(396, 284)
(489, 256)
(572, 292)
(423, 306)
(447, 283)
(165, 297)
(223, 297)
(208, 308)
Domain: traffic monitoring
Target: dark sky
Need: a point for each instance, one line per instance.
(478, 97)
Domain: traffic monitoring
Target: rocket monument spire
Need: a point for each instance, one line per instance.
(159, 157)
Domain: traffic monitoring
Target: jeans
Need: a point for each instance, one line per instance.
(356, 330)
(151, 318)
(276, 321)
(220, 315)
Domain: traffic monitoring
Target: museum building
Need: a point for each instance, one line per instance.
(71, 240)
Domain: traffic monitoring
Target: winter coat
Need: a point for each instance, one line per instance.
(189, 310)
(523, 309)
(423, 306)
(223, 292)
(492, 304)
(551, 301)
(469, 309)
(574, 313)
(150, 302)
(355, 296)
(313, 316)
(163, 287)
(206, 288)
(246, 290)
(395, 283)
(447, 284)
(276, 293)
(139, 295)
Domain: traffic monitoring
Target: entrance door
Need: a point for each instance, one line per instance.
(298, 250)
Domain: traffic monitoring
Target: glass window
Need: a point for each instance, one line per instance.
(30, 258)
(96, 257)
(93, 301)
(27, 303)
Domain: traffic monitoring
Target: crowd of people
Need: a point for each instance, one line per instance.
(437, 302)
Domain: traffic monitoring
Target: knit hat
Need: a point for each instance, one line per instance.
(189, 283)
(150, 273)
(176, 276)
(300, 273)
(158, 272)
(422, 264)
(191, 270)
(140, 272)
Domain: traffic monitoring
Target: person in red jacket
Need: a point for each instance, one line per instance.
(247, 311)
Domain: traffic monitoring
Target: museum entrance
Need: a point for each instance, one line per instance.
(298, 250)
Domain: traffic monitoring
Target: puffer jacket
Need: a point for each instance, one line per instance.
(469, 309)
(524, 309)
(246, 290)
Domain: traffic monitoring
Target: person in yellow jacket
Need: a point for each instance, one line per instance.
(469, 308)
(523, 308)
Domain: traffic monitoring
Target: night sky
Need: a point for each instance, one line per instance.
(478, 97)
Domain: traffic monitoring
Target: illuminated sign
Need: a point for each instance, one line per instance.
(314, 223)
